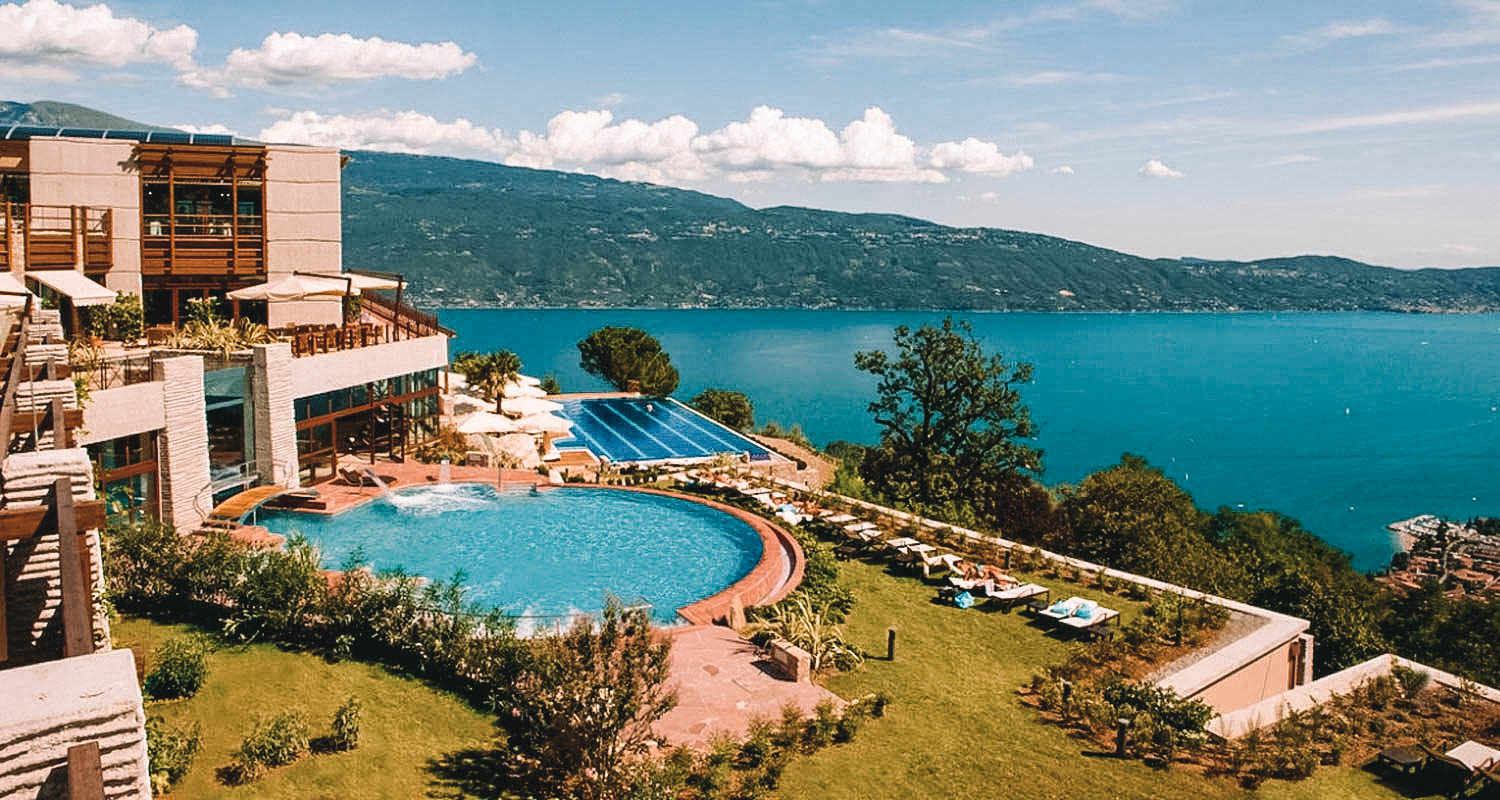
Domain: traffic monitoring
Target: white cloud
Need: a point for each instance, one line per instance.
(393, 131)
(673, 150)
(1296, 158)
(989, 197)
(1461, 249)
(1345, 29)
(975, 155)
(1061, 169)
(45, 40)
(213, 128)
(660, 151)
(291, 59)
(1050, 77)
(1418, 116)
(1132, 9)
(611, 99)
(1156, 169)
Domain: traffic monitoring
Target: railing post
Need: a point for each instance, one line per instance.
(77, 219)
(78, 627)
(85, 772)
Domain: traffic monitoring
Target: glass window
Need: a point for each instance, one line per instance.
(339, 400)
(359, 395)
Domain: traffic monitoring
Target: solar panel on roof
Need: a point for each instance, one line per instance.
(164, 137)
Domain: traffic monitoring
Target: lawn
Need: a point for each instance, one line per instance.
(955, 726)
(405, 723)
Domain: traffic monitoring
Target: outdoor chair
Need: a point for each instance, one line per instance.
(1446, 775)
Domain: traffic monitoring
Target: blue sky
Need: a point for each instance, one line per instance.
(1159, 127)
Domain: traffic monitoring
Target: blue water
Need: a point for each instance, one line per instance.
(624, 429)
(544, 556)
(1345, 421)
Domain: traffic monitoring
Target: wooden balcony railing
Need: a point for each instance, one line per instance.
(56, 237)
(311, 340)
(202, 244)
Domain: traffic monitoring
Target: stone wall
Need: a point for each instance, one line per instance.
(182, 447)
(271, 397)
(33, 578)
(95, 173)
(52, 706)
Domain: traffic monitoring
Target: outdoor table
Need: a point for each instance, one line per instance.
(920, 548)
(1403, 759)
(902, 543)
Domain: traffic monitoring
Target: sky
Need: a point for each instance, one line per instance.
(1159, 127)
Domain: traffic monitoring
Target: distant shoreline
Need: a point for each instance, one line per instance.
(873, 310)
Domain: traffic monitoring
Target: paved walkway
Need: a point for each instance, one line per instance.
(722, 685)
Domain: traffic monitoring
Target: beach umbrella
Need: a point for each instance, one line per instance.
(293, 287)
(515, 389)
(526, 406)
(544, 423)
(487, 422)
(527, 380)
(520, 446)
(463, 401)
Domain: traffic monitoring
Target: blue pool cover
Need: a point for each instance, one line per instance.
(636, 429)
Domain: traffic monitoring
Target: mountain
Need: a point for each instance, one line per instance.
(474, 233)
(48, 113)
(478, 233)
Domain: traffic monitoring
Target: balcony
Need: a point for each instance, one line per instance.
(40, 237)
(203, 244)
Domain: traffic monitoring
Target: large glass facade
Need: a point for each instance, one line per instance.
(126, 469)
(379, 418)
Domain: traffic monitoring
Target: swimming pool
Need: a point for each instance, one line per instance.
(639, 429)
(541, 556)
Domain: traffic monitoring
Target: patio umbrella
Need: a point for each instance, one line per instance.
(487, 422)
(520, 446)
(526, 406)
(469, 401)
(293, 287)
(543, 423)
(516, 389)
(527, 380)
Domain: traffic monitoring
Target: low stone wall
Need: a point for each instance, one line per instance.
(52, 706)
(1268, 712)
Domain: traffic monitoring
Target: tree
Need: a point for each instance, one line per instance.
(581, 707)
(729, 407)
(549, 384)
(1133, 517)
(1017, 507)
(628, 359)
(949, 414)
(488, 373)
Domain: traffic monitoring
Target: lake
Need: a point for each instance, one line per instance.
(1345, 421)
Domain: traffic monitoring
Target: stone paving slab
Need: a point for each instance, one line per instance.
(722, 684)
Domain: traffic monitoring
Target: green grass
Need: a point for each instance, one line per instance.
(404, 723)
(956, 728)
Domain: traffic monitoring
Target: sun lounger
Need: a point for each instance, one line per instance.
(1089, 617)
(1063, 609)
(970, 584)
(1446, 775)
(1026, 592)
(839, 519)
(856, 527)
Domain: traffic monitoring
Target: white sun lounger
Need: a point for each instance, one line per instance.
(859, 527)
(1098, 615)
(1064, 609)
(839, 519)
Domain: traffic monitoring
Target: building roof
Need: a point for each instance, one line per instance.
(22, 132)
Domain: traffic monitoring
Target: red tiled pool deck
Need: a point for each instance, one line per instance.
(336, 495)
(722, 685)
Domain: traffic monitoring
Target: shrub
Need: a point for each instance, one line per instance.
(1412, 681)
(181, 668)
(346, 726)
(758, 746)
(276, 742)
(170, 751)
(823, 726)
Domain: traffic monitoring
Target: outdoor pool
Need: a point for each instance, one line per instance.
(542, 556)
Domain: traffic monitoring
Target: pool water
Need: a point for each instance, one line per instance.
(642, 429)
(543, 556)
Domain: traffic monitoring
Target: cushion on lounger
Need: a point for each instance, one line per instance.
(1059, 608)
(1084, 611)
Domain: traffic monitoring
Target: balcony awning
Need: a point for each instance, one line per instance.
(302, 286)
(9, 283)
(75, 286)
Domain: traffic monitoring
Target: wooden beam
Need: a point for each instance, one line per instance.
(28, 420)
(23, 523)
(4, 618)
(85, 772)
(77, 605)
